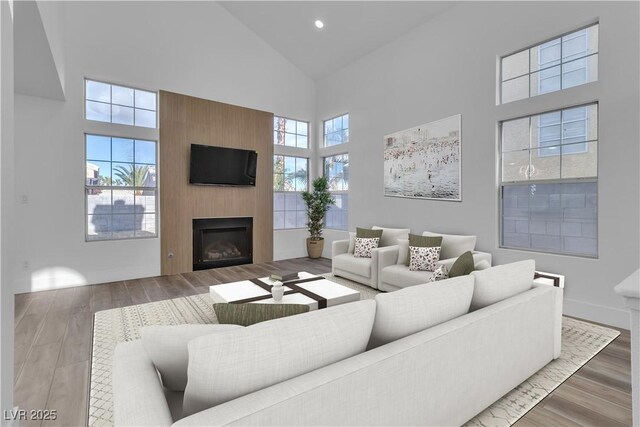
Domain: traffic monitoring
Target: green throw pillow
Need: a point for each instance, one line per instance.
(249, 313)
(423, 242)
(463, 265)
(368, 234)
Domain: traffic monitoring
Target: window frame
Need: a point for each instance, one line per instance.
(534, 182)
(155, 189)
(111, 104)
(292, 152)
(324, 134)
(560, 64)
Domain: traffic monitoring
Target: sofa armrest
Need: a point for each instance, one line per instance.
(138, 396)
(339, 247)
(387, 256)
(481, 256)
(477, 257)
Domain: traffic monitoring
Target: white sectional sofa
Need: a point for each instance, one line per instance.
(413, 357)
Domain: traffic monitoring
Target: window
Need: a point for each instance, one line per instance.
(549, 175)
(336, 131)
(111, 103)
(336, 169)
(120, 188)
(290, 172)
(564, 62)
(292, 133)
(290, 178)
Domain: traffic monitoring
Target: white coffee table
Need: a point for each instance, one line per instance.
(238, 291)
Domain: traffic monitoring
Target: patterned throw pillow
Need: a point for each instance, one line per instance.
(441, 273)
(364, 246)
(423, 259)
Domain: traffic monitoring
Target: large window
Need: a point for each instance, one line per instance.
(120, 188)
(567, 61)
(290, 172)
(336, 169)
(549, 174)
(111, 103)
(336, 131)
(290, 178)
(291, 133)
(335, 164)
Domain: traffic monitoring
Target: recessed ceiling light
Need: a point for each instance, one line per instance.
(319, 24)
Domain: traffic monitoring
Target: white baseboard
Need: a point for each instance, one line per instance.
(616, 317)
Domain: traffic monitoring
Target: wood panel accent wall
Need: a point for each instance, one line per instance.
(185, 120)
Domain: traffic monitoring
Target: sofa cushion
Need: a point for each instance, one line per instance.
(501, 282)
(364, 246)
(416, 308)
(423, 242)
(462, 266)
(440, 273)
(368, 234)
(225, 366)
(454, 245)
(166, 346)
(249, 313)
(423, 258)
(400, 276)
(390, 236)
(352, 264)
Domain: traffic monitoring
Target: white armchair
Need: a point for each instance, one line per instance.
(363, 270)
(394, 273)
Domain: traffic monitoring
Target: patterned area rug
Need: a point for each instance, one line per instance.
(580, 342)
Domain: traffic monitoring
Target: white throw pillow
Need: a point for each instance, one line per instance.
(423, 258)
(364, 246)
(501, 282)
(441, 273)
(409, 310)
(225, 366)
(390, 236)
(166, 346)
(454, 245)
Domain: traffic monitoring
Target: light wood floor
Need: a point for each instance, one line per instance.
(53, 345)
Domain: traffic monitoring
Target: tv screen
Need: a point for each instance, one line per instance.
(222, 166)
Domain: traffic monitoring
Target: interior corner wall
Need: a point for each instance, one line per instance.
(447, 67)
(7, 205)
(193, 48)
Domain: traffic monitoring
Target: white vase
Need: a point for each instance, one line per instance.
(277, 291)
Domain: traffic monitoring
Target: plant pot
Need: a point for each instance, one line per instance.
(315, 247)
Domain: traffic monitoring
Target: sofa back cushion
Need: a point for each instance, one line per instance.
(225, 366)
(454, 245)
(404, 312)
(166, 346)
(501, 282)
(390, 236)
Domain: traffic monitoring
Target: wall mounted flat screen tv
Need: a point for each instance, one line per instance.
(212, 165)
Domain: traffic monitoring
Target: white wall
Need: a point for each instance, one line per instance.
(194, 48)
(6, 206)
(447, 67)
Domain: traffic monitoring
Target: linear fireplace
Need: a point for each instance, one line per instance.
(221, 242)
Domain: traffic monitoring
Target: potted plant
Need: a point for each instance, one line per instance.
(318, 202)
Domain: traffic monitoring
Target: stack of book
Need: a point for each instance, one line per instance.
(284, 275)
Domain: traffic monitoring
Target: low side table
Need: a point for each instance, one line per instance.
(551, 279)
